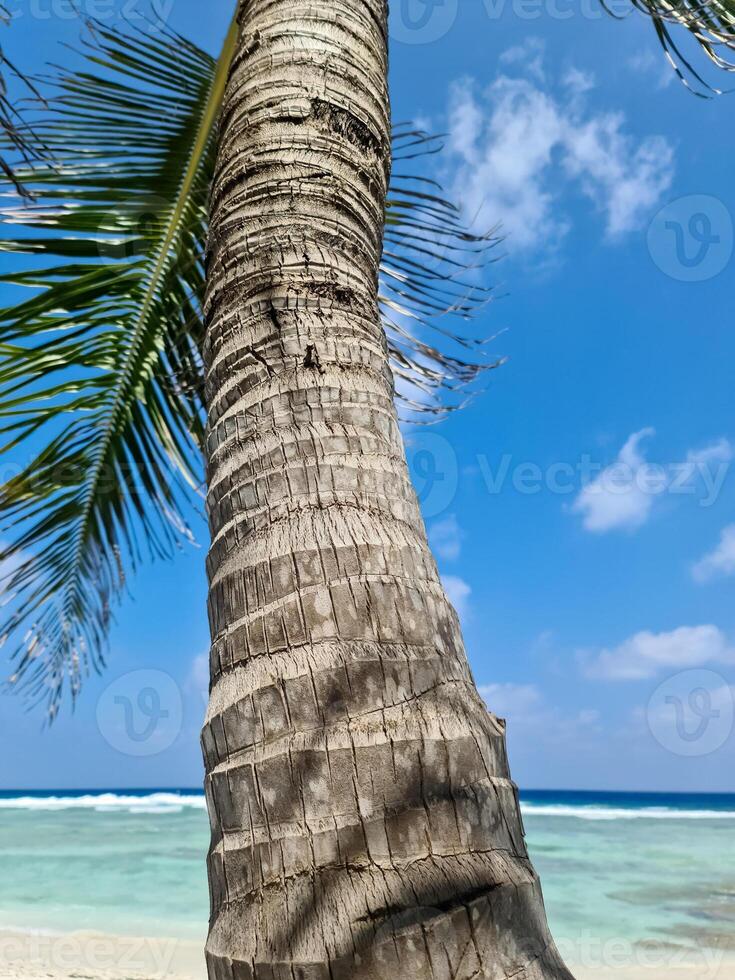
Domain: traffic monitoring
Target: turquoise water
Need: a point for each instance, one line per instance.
(644, 868)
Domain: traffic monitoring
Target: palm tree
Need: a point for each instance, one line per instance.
(363, 817)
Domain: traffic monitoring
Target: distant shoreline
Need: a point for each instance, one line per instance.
(679, 795)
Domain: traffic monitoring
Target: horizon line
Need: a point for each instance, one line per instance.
(199, 790)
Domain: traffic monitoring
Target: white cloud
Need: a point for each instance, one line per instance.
(642, 61)
(446, 538)
(578, 81)
(617, 498)
(503, 152)
(645, 62)
(458, 592)
(647, 654)
(720, 561)
(529, 56)
(527, 712)
(588, 716)
(717, 452)
(7, 567)
(515, 701)
(517, 143)
(622, 496)
(625, 179)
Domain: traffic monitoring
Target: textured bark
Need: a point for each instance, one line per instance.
(363, 817)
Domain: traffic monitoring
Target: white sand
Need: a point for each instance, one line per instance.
(694, 969)
(93, 956)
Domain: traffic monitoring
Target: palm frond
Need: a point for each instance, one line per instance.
(432, 277)
(710, 23)
(99, 369)
(101, 380)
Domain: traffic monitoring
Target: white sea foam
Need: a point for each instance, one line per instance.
(107, 802)
(588, 812)
(170, 803)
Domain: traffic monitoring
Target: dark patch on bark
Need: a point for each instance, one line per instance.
(274, 318)
(408, 916)
(311, 360)
(345, 123)
(340, 295)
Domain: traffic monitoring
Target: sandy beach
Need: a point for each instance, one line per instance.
(694, 967)
(636, 888)
(96, 956)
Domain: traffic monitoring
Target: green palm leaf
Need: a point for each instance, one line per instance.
(711, 24)
(100, 369)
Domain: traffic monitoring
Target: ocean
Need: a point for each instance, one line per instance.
(623, 873)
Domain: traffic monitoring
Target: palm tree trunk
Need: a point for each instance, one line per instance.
(363, 817)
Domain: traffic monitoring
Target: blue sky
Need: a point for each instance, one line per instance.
(583, 508)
